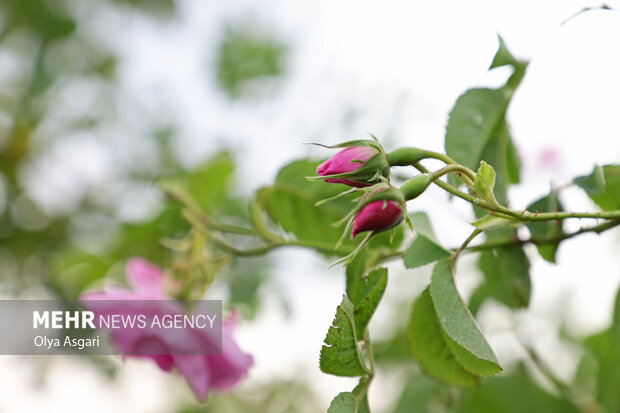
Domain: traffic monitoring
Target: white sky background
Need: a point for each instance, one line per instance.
(400, 65)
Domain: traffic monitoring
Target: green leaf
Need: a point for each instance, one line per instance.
(209, 183)
(503, 57)
(365, 292)
(294, 173)
(511, 393)
(492, 222)
(423, 251)
(247, 56)
(422, 394)
(603, 347)
(602, 186)
(457, 321)
(507, 275)
(513, 163)
(484, 183)
(427, 342)
(355, 401)
(546, 229)
(293, 209)
(477, 128)
(496, 153)
(425, 248)
(340, 354)
(470, 362)
(475, 116)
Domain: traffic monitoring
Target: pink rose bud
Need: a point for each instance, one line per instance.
(203, 372)
(345, 161)
(377, 216)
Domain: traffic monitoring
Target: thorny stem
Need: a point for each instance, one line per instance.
(519, 215)
(384, 254)
(544, 240)
(445, 158)
(447, 169)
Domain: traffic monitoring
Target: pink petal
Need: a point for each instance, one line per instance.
(145, 277)
(346, 161)
(376, 216)
(195, 370)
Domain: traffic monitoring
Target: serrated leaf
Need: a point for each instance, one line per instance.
(602, 186)
(470, 362)
(365, 292)
(506, 275)
(355, 401)
(428, 345)
(340, 353)
(546, 229)
(485, 182)
(455, 318)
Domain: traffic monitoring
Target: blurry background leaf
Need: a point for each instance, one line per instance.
(512, 392)
(477, 129)
(425, 248)
(290, 204)
(247, 55)
(506, 278)
(546, 229)
(603, 186)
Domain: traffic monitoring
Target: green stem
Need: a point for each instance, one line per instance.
(545, 240)
(227, 228)
(202, 227)
(469, 239)
(550, 216)
(520, 215)
(410, 156)
(449, 188)
(450, 168)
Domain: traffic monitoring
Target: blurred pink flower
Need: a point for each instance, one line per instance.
(347, 160)
(377, 216)
(183, 350)
(549, 159)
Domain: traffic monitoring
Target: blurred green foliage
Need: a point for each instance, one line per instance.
(39, 250)
(247, 55)
(278, 396)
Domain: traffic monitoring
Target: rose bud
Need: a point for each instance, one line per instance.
(346, 161)
(378, 216)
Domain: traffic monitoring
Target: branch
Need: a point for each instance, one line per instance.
(544, 240)
(525, 216)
